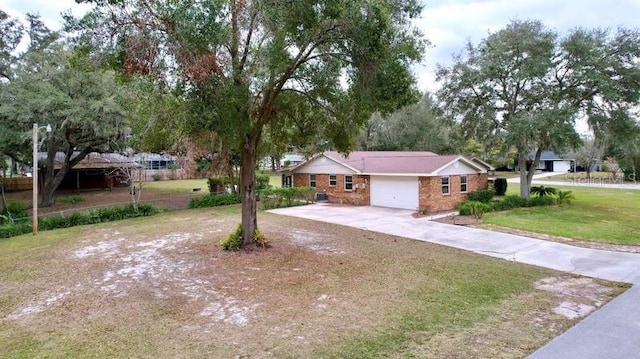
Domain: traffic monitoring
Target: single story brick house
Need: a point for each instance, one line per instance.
(411, 180)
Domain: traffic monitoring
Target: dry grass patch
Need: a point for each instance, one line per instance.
(162, 287)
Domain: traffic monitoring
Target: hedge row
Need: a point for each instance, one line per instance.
(468, 208)
(80, 218)
(286, 197)
(214, 200)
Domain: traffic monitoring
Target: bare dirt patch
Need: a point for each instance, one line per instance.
(163, 287)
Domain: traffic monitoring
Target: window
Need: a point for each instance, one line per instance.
(348, 183)
(333, 180)
(463, 184)
(312, 180)
(445, 185)
(287, 181)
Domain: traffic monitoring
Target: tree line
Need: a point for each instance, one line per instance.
(232, 81)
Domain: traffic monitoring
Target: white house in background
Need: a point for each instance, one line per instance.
(552, 162)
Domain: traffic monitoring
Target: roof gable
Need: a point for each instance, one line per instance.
(383, 163)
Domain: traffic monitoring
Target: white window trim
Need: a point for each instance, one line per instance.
(315, 180)
(345, 183)
(448, 185)
(466, 183)
(336, 180)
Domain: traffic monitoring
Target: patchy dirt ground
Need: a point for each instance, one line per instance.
(162, 287)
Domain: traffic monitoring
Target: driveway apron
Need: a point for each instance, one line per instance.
(611, 332)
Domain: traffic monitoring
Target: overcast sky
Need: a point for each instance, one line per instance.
(447, 24)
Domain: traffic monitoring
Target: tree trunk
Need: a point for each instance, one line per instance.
(525, 187)
(248, 189)
(51, 183)
(526, 174)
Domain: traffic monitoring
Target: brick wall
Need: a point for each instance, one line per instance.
(337, 193)
(432, 198)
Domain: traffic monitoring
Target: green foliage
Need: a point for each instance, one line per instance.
(262, 181)
(80, 218)
(71, 199)
(261, 240)
(542, 191)
(500, 186)
(233, 241)
(565, 197)
(286, 197)
(14, 210)
(510, 202)
(474, 208)
(217, 185)
(483, 195)
(156, 177)
(214, 200)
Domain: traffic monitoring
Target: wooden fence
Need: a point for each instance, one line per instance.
(15, 184)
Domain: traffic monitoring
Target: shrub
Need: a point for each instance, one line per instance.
(234, 240)
(262, 181)
(542, 191)
(483, 195)
(474, 208)
(565, 197)
(15, 229)
(500, 186)
(216, 185)
(214, 200)
(15, 210)
(286, 197)
(541, 201)
(156, 177)
(510, 202)
(261, 240)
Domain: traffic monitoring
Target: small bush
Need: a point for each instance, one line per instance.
(483, 195)
(156, 177)
(286, 197)
(15, 210)
(233, 241)
(262, 181)
(500, 186)
(261, 240)
(15, 229)
(216, 185)
(72, 199)
(542, 191)
(541, 201)
(474, 208)
(214, 200)
(565, 197)
(509, 202)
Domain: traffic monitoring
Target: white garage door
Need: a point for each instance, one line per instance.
(394, 192)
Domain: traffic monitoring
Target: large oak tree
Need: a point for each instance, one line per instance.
(527, 86)
(242, 62)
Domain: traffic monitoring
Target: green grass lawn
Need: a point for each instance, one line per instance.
(177, 186)
(596, 214)
(162, 287)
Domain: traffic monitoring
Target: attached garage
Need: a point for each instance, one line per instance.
(394, 192)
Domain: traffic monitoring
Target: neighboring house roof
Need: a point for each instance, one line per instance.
(94, 160)
(395, 162)
(548, 156)
(293, 157)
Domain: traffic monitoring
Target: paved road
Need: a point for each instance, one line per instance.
(602, 183)
(611, 332)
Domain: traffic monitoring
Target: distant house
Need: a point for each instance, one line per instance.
(409, 180)
(96, 170)
(552, 162)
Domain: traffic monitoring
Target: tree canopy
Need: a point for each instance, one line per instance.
(527, 87)
(241, 64)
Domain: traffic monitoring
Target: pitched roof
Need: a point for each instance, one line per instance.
(93, 160)
(395, 162)
(548, 156)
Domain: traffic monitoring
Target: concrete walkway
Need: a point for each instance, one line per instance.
(611, 332)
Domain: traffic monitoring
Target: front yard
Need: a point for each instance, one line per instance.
(162, 287)
(597, 214)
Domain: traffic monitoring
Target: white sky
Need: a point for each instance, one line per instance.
(447, 24)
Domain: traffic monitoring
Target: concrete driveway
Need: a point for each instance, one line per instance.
(611, 332)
